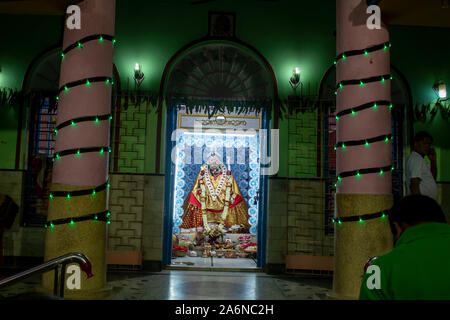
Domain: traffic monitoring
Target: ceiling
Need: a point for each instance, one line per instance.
(431, 13)
(38, 7)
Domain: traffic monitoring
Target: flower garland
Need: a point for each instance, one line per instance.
(204, 175)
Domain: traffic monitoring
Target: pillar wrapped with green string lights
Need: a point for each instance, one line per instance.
(363, 147)
(78, 213)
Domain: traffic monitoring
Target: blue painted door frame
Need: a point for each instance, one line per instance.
(171, 125)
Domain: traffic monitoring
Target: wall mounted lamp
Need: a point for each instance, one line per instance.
(295, 78)
(138, 74)
(440, 89)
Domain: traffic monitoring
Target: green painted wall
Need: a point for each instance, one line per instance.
(423, 60)
(8, 136)
(281, 32)
(23, 38)
(19, 46)
(288, 34)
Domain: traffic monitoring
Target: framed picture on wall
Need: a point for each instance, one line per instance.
(222, 24)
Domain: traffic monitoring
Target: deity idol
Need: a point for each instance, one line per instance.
(215, 198)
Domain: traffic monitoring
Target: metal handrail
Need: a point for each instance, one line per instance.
(59, 265)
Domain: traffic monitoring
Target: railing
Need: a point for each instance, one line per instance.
(59, 265)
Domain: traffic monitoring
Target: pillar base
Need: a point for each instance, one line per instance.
(336, 296)
(356, 243)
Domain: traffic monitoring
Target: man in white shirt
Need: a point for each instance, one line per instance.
(421, 177)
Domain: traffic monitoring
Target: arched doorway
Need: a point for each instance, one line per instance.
(227, 90)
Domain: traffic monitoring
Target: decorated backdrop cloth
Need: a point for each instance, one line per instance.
(215, 201)
(240, 154)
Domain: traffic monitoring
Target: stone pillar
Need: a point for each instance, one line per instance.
(91, 65)
(365, 192)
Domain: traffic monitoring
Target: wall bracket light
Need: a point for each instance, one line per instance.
(440, 89)
(295, 78)
(138, 74)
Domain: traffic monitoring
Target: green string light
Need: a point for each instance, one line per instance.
(390, 106)
(339, 179)
(361, 221)
(344, 146)
(353, 113)
(382, 80)
(100, 39)
(337, 118)
(52, 225)
(386, 140)
(361, 84)
(114, 42)
(366, 53)
(101, 151)
(341, 86)
(107, 82)
(56, 131)
(51, 196)
(72, 223)
(57, 156)
(96, 120)
(63, 55)
(381, 172)
(367, 144)
(358, 175)
(340, 222)
(73, 124)
(93, 193)
(68, 196)
(383, 216)
(88, 83)
(344, 57)
(78, 154)
(80, 45)
(66, 89)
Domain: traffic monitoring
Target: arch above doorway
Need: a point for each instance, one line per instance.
(219, 71)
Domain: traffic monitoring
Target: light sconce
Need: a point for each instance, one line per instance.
(138, 74)
(295, 78)
(440, 90)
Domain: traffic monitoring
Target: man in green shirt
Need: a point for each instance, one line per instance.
(418, 268)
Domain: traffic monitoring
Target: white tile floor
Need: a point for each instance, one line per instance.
(199, 285)
(199, 262)
(211, 285)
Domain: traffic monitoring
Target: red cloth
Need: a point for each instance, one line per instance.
(196, 203)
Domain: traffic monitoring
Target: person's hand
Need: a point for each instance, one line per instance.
(432, 154)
